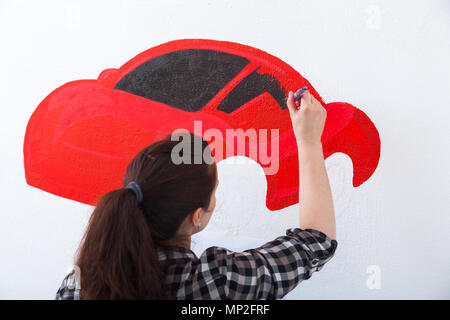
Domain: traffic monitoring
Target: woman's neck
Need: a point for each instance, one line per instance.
(184, 242)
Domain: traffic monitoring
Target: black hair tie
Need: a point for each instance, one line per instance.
(137, 191)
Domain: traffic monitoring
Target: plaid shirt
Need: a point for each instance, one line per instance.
(267, 272)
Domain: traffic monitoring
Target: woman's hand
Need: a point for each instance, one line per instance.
(308, 118)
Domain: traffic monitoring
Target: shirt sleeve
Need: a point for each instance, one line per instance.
(271, 270)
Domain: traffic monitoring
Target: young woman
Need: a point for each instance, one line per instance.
(137, 243)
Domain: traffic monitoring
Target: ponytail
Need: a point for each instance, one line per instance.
(117, 257)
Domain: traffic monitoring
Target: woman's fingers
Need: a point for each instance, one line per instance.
(306, 99)
(307, 102)
(291, 103)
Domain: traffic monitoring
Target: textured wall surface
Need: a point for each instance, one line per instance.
(388, 59)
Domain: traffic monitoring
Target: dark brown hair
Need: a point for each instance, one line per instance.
(117, 256)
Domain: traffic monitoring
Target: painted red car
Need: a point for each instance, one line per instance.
(81, 137)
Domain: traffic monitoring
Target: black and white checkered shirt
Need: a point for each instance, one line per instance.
(267, 272)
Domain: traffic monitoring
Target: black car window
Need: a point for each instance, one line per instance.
(184, 79)
(249, 88)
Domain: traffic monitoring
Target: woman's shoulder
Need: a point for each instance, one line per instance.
(70, 288)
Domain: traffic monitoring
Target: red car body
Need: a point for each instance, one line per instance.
(82, 136)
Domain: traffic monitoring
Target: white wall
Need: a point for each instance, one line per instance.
(388, 58)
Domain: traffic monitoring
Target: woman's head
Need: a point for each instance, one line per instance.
(173, 192)
(117, 257)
